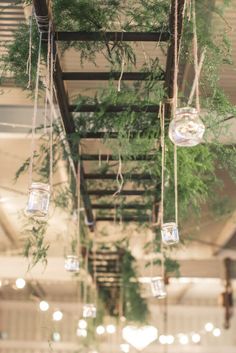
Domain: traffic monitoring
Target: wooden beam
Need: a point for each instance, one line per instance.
(124, 219)
(130, 177)
(110, 157)
(123, 192)
(129, 206)
(105, 76)
(113, 36)
(89, 108)
(110, 135)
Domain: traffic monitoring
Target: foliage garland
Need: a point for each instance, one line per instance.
(198, 165)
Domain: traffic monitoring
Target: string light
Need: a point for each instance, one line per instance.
(43, 305)
(196, 338)
(57, 315)
(111, 329)
(183, 339)
(216, 332)
(100, 330)
(20, 283)
(209, 327)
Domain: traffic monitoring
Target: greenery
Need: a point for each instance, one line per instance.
(137, 133)
(135, 307)
(35, 247)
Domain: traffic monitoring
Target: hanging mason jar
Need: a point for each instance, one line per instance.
(170, 233)
(186, 128)
(89, 310)
(38, 201)
(72, 263)
(158, 287)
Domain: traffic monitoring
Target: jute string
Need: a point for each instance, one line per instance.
(195, 54)
(51, 112)
(29, 60)
(35, 112)
(175, 103)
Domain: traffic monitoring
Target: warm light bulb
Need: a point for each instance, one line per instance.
(57, 315)
(183, 339)
(20, 283)
(170, 339)
(111, 329)
(82, 324)
(100, 330)
(216, 332)
(209, 327)
(163, 339)
(196, 338)
(43, 305)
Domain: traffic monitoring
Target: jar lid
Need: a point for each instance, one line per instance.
(40, 186)
(186, 110)
(169, 224)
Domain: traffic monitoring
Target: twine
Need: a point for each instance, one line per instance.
(196, 78)
(175, 103)
(95, 265)
(195, 53)
(86, 273)
(119, 177)
(162, 119)
(29, 60)
(35, 112)
(51, 110)
(122, 72)
(78, 198)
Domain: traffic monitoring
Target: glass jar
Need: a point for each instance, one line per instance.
(89, 310)
(186, 128)
(170, 233)
(72, 263)
(38, 201)
(158, 287)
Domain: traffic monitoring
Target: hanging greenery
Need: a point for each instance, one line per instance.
(137, 133)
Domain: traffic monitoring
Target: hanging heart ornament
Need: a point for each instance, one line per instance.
(139, 337)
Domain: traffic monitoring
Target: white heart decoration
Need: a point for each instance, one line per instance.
(139, 337)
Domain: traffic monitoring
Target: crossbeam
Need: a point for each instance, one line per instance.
(124, 219)
(105, 76)
(123, 192)
(90, 108)
(131, 177)
(160, 36)
(130, 206)
(110, 157)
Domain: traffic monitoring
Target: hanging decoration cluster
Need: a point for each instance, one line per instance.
(39, 193)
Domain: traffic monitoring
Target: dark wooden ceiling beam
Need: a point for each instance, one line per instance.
(90, 108)
(111, 135)
(128, 177)
(109, 157)
(129, 206)
(105, 76)
(124, 219)
(122, 193)
(160, 36)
